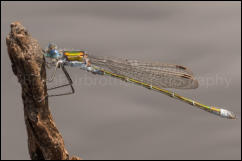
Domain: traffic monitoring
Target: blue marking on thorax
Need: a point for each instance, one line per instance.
(54, 54)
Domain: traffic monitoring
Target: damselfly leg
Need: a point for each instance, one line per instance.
(70, 82)
(54, 72)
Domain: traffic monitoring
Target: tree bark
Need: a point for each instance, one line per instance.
(28, 64)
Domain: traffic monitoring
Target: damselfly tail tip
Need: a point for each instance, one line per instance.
(227, 114)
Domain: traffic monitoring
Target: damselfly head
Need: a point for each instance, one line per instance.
(52, 51)
(52, 46)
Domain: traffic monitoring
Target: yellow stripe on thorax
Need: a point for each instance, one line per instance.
(74, 55)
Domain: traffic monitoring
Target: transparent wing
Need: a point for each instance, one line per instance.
(154, 73)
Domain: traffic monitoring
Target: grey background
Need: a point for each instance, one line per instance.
(109, 119)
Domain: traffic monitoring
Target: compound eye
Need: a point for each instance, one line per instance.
(52, 46)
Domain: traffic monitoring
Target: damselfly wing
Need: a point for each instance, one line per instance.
(154, 73)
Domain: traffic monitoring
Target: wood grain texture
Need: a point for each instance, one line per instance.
(28, 64)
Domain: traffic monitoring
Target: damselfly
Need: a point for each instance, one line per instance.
(154, 76)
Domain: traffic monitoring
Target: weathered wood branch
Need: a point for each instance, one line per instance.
(28, 64)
